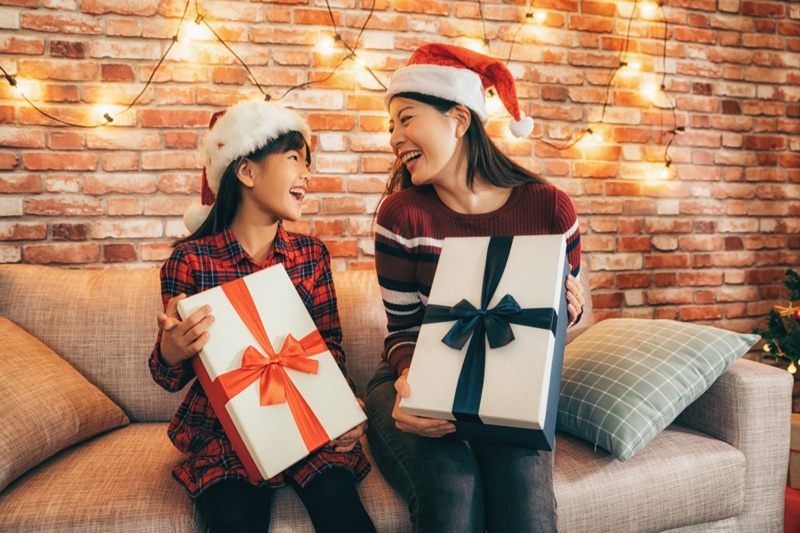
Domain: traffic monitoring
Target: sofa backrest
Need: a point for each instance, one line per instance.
(103, 323)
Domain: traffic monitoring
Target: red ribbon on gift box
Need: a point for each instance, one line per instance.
(275, 385)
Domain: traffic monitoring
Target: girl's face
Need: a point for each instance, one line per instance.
(277, 184)
(427, 141)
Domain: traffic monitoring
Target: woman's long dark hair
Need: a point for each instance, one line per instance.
(495, 167)
(229, 195)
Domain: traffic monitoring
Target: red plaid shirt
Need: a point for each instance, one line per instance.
(195, 430)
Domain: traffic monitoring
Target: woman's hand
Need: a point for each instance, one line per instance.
(575, 300)
(348, 441)
(425, 427)
(180, 340)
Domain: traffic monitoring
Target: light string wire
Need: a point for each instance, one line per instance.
(351, 55)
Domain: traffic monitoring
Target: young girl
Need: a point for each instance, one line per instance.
(257, 158)
(450, 180)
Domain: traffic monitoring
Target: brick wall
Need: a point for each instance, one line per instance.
(709, 243)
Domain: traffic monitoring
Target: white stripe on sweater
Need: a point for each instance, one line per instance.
(408, 243)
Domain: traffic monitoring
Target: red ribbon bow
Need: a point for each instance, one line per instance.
(275, 385)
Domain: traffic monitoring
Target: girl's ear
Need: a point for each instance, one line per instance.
(244, 172)
(463, 119)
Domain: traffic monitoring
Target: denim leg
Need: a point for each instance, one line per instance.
(438, 478)
(519, 489)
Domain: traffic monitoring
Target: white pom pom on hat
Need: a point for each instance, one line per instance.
(237, 132)
(460, 75)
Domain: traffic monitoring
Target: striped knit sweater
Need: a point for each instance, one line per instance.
(411, 227)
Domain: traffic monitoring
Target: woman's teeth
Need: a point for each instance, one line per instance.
(298, 192)
(410, 156)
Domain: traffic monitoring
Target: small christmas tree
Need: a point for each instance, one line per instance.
(782, 335)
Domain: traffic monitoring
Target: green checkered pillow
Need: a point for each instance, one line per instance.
(625, 380)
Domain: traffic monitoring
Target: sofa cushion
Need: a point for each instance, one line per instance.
(106, 328)
(624, 380)
(122, 481)
(682, 477)
(46, 404)
(119, 481)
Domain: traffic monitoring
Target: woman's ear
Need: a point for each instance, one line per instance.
(244, 172)
(463, 119)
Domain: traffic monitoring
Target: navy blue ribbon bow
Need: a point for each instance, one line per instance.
(484, 324)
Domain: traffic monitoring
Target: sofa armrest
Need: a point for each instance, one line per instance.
(749, 407)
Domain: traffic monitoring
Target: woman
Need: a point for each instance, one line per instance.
(450, 180)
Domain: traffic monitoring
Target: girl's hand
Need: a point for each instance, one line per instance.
(348, 441)
(575, 300)
(425, 427)
(180, 340)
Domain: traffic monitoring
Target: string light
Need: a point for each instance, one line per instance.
(648, 10)
(195, 32)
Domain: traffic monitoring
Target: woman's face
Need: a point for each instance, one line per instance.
(427, 141)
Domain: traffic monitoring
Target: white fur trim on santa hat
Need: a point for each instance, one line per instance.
(195, 215)
(243, 129)
(458, 85)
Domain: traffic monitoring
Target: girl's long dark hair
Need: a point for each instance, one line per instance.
(495, 167)
(229, 195)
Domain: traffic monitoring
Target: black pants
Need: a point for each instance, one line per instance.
(331, 499)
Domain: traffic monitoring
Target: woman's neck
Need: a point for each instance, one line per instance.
(257, 239)
(484, 198)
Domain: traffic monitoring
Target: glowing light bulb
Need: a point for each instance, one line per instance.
(665, 171)
(360, 62)
(326, 44)
(103, 112)
(792, 369)
(593, 135)
(476, 45)
(194, 32)
(493, 103)
(650, 90)
(539, 17)
(635, 65)
(767, 348)
(648, 10)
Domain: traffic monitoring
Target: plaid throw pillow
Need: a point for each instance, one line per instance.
(625, 380)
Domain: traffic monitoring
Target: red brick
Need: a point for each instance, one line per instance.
(707, 312)
(669, 296)
(699, 279)
(63, 206)
(124, 207)
(633, 244)
(117, 72)
(120, 161)
(326, 184)
(20, 183)
(7, 161)
(59, 161)
(61, 253)
(119, 253)
(23, 46)
(672, 260)
(55, 69)
(21, 138)
(22, 231)
(174, 118)
(366, 185)
(66, 140)
(180, 139)
(331, 121)
(167, 206)
(118, 183)
(346, 205)
(633, 280)
(44, 22)
(335, 227)
(347, 248)
(70, 232)
(61, 93)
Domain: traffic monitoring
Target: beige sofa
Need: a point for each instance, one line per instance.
(721, 468)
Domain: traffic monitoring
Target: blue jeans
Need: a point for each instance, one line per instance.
(458, 486)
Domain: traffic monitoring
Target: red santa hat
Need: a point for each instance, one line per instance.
(460, 75)
(237, 132)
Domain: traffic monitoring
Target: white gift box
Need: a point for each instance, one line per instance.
(266, 437)
(517, 401)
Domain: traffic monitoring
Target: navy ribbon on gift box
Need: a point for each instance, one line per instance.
(481, 324)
